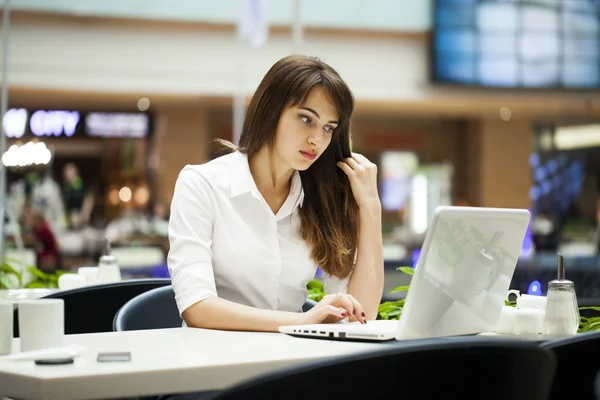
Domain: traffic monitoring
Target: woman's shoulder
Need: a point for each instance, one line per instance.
(216, 172)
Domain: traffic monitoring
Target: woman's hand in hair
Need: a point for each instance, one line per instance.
(333, 308)
(362, 174)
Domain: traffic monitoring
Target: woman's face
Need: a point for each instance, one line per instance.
(305, 131)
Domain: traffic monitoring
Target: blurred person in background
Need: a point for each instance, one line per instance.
(131, 221)
(160, 219)
(38, 190)
(79, 201)
(248, 230)
(47, 253)
(545, 231)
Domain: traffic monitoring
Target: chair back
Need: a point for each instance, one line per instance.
(578, 365)
(92, 309)
(155, 309)
(308, 304)
(456, 368)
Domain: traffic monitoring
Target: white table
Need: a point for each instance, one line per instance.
(18, 295)
(164, 362)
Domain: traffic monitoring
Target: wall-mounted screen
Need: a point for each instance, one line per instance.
(517, 43)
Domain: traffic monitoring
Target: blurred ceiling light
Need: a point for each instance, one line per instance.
(505, 113)
(142, 195)
(143, 104)
(15, 122)
(125, 194)
(113, 197)
(28, 154)
(577, 137)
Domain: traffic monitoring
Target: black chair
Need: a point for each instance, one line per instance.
(578, 364)
(308, 304)
(597, 386)
(155, 309)
(92, 309)
(451, 368)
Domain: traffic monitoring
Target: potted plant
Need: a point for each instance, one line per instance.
(11, 276)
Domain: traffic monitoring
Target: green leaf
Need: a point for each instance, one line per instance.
(9, 270)
(37, 273)
(407, 270)
(6, 267)
(590, 308)
(316, 290)
(391, 309)
(13, 260)
(6, 283)
(36, 285)
(592, 327)
(315, 296)
(400, 289)
(315, 284)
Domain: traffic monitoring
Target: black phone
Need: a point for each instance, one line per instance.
(55, 361)
(122, 356)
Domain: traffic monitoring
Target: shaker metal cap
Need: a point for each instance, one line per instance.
(561, 282)
(107, 256)
(561, 267)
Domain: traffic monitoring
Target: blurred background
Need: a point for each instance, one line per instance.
(492, 103)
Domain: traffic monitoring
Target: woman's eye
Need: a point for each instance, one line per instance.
(306, 119)
(329, 129)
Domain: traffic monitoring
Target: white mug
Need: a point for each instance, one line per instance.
(71, 281)
(90, 274)
(6, 326)
(529, 320)
(528, 300)
(41, 324)
(507, 320)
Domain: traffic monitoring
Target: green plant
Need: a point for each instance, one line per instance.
(387, 310)
(9, 274)
(316, 290)
(43, 279)
(393, 309)
(588, 324)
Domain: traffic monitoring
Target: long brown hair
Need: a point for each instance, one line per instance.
(329, 213)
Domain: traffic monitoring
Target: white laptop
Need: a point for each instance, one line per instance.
(461, 279)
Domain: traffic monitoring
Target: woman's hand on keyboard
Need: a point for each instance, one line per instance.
(333, 308)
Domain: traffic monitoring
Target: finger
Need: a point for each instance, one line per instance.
(358, 308)
(344, 167)
(330, 310)
(342, 300)
(330, 302)
(360, 159)
(352, 162)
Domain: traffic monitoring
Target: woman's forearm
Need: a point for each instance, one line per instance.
(366, 282)
(217, 313)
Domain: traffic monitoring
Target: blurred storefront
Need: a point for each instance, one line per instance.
(109, 151)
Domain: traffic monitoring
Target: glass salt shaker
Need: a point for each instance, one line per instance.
(562, 312)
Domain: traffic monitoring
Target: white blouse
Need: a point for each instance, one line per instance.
(225, 240)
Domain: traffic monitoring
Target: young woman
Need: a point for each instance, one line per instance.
(249, 229)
